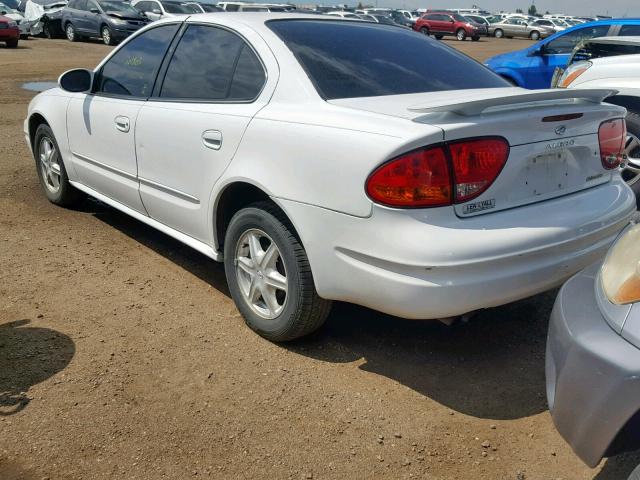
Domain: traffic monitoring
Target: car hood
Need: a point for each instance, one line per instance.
(124, 16)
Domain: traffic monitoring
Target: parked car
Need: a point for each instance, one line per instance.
(9, 32)
(343, 14)
(612, 62)
(402, 17)
(157, 9)
(533, 66)
(593, 356)
(299, 151)
(478, 19)
(43, 17)
(514, 27)
(16, 16)
(384, 19)
(111, 20)
(445, 23)
(205, 7)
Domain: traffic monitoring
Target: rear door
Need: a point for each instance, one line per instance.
(93, 18)
(188, 132)
(78, 16)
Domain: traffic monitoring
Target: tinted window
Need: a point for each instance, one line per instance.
(132, 70)
(567, 42)
(346, 60)
(177, 8)
(629, 30)
(143, 6)
(214, 64)
(232, 8)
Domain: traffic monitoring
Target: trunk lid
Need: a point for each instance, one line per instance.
(552, 134)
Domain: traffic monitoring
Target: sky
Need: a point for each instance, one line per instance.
(616, 8)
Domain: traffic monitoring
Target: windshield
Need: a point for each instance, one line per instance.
(350, 59)
(173, 7)
(7, 8)
(114, 6)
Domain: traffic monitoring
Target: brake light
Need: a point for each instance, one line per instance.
(440, 175)
(476, 164)
(612, 136)
(417, 179)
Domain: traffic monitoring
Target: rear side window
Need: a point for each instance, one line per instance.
(629, 31)
(349, 59)
(132, 69)
(211, 63)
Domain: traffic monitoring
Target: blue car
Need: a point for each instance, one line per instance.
(533, 67)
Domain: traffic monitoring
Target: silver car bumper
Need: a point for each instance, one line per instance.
(593, 374)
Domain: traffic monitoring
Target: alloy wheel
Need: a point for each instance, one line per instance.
(261, 274)
(106, 36)
(71, 33)
(631, 167)
(461, 35)
(49, 166)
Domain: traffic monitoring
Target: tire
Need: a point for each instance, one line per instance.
(438, 37)
(535, 36)
(475, 39)
(58, 191)
(70, 32)
(424, 31)
(461, 35)
(47, 32)
(498, 33)
(635, 475)
(107, 36)
(633, 135)
(12, 43)
(290, 315)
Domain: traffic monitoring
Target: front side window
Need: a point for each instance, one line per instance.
(567, 42)
(132, 70)
(629, 31)
(346, 60)
(211, 63)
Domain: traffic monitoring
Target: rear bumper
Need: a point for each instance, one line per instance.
(431, 264)
(593, 374)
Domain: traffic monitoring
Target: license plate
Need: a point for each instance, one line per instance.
(547, 173)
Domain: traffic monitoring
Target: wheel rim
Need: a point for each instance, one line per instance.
(535, 36)
(498, 33)
(261, 274)
(631, 168)
(70, 33)
(106, 36)
(425, 31)
(49, 165)
(461, 35)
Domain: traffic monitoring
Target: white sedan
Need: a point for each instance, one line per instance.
(326, 159)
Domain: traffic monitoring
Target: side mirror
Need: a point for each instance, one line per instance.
(76, 81)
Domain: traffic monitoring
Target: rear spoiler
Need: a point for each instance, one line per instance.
(518, 100)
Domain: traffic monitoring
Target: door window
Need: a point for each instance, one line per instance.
(132, 70)
(211, 63)
(567, 42)
(629, 31)
(143, 6)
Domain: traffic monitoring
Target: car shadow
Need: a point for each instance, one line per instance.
(28, 356)
(490, 367)
(186, 257)
(619, 467)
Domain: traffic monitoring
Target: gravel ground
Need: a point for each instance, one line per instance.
(122, 356)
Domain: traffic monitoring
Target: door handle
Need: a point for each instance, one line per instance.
(122, 123)
(212, 139)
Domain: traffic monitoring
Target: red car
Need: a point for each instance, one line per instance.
(440, 24)
(9, 32)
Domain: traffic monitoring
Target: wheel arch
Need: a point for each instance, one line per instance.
(232, 198)
(35, 120)
(627, 101)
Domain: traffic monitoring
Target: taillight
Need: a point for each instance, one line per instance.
(441, 175)
(612, 136)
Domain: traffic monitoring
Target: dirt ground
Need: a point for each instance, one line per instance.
(123, 357)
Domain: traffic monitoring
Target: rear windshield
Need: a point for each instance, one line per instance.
(359, 59)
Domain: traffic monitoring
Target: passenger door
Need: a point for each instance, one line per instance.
(555, 53)
(77, 17)
(187, 134)
(101, 124)
(93, 18)
(448, 24)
